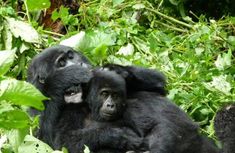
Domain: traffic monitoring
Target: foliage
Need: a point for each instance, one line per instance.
(196, 56)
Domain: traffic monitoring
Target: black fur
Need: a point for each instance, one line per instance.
(164, 127)
(140, 79)
(59, 119)
(225, 128)
(52, 80)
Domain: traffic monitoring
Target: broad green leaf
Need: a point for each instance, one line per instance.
(5, 106)
(16, 137)
(21, 93)
(23, 30)
(100, 53)
(6, 60)
(96, 38)
(14, 119)
(34, 5)
(219, 83)
(224, 60)
(75, 40)
(33, 145)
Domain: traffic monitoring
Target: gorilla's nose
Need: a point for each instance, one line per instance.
(110, 106)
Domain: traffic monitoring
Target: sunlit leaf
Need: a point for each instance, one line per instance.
(126, 50)
(38, 4)
(75, 40)
(14, 119)
(6, 60)
(21, 93)
(33, 145)
(219, 83)
(224, 60)
(23, 30)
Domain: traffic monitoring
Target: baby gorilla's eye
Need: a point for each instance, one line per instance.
(115, 96)
(104, 93)
(62, 63)
(70, 54)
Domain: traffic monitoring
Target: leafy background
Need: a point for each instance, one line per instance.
(193, 43)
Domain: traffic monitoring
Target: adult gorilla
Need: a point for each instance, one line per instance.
(58, 73)
(51, 63)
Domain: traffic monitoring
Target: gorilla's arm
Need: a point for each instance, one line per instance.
(98, 138)
(73, 133)
(225, 128)
(140, 79)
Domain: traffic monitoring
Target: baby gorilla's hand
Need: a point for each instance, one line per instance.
(133, 141)
(121, 70)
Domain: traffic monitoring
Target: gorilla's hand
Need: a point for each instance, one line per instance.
(140, 79)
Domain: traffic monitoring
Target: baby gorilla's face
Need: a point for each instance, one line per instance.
(107, 95)
(112, 102)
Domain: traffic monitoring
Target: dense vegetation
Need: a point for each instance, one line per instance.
(193, 45)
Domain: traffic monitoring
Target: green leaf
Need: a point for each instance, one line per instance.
(6, 60)
(7, 37)
(100, 53)
(74, 41)
(33, 145)
(16, 137)
(219, 83)
(224, 60)
(139, 6)
(96, 38)
(14, 119)
(126, 50)
(34, 5)
(117, 2)
(23, 30)
(21, 93)
(55, 15)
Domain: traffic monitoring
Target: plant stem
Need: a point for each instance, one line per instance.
(170, 18)
(27, 11)
(52, 33)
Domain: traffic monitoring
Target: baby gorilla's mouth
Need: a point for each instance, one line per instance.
(73, 94)
(108, 116)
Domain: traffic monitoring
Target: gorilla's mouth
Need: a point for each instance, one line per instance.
(73, 94)
(108, 116)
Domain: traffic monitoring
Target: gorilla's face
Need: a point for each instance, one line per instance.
(58, 72)
(106, 95)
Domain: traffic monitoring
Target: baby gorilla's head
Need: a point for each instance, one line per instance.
(106, 95)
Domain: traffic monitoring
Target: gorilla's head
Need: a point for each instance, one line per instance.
(58, 72)
(106, 95)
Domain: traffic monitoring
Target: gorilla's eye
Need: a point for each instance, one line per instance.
(62, 63)
(70, 54)
(104, 93)
(115, 96)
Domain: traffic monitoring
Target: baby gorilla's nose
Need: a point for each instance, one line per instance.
(111, 107)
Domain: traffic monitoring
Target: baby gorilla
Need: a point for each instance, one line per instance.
(106, 95)
(162, 125)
